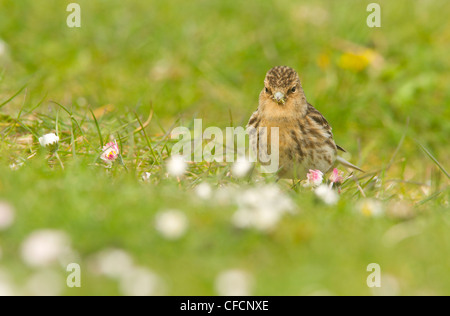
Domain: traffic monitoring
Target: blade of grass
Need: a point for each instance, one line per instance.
(431, 197)
(37, 105)
(72, 141)
(56, 123)
(26, 127)
(12, 98)
(23, 104)
(146, 137)
(434, 159)
(59, 159)
(168, 133)
(400, 144)
(72, 118)
(98, 128)
(146, 123)
(18, 115)
(121, 151)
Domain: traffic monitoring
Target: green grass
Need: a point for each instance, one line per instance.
(156, 65)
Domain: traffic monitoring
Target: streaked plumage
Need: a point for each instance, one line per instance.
(305, 137)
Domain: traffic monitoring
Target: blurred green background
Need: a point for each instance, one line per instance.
(207, 59)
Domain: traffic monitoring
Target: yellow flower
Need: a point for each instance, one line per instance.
(357, 58)
(356, 62)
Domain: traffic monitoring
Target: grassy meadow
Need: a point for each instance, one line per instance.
(135, 70)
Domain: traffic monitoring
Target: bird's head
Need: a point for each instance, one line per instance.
(282, 89)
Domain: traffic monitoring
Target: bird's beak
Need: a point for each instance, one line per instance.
(279, 97)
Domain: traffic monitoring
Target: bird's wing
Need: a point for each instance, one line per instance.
(252, 127)
(340, 148)
(313, 114)
(254, 120)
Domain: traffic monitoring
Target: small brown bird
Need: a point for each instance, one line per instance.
(305, 137)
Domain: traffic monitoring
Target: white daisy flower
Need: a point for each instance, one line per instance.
(146, 176)
(203, 191)
(112, 263)
(45, 283)
(15, 166)
(370, 207)
(327, 195)
(49, 141)
(3, 48)
(6, 215)
(7, 288)
(45, 247)
(141, 282)
(110, 152)
(176, 166)
(172, 224)
(261, 208)
(241, 167)
(234, 283)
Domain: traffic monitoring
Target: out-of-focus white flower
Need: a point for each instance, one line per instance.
(6, 215)
(262, 219)
(204, 191)
(370, 207)
(133, 281)
(141, 282)
(176, 166)
(110, 152)
(378, 182)
(261, 207)
(336, 176)
(224, 195)
(172, 224)
(400, 209)
(6, 286)
(241, 167)
(243, 218)
(266, 195)
(313, 14)
(146, 176)
(45, 283)
(3, 48)
(234, 283)
(314, 178)
(49, 141)
(45, 247)
(389, 286)
(15, 166)
(113, 263)
(402, 231)
(327, 195)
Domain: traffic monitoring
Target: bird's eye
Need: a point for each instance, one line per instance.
(267, 90)
(293, 89)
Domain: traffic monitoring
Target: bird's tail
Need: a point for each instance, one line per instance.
(347, 164)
